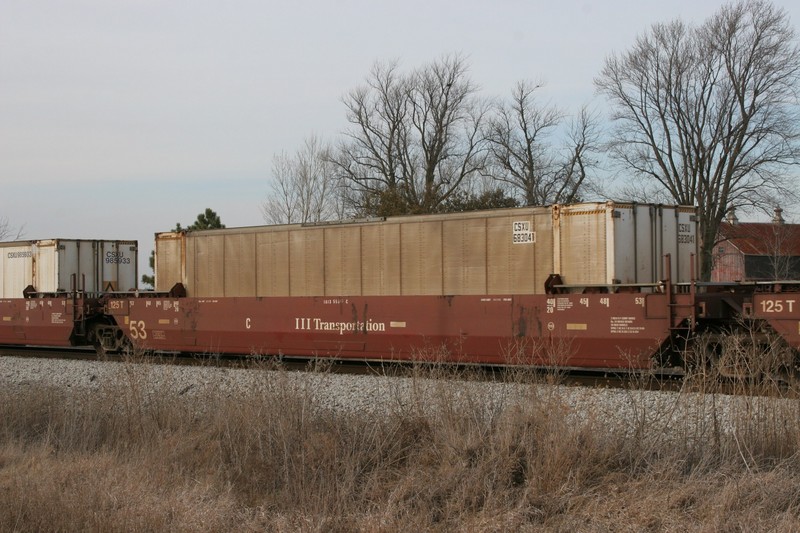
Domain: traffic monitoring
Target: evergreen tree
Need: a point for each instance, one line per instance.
(208, 219)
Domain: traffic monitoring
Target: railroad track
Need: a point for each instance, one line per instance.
(564, 377)
(47, 352)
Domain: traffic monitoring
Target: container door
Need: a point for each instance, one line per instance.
(16, 270)
(45, 266)
(117, 262)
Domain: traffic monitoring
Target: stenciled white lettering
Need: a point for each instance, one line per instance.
(317, 324)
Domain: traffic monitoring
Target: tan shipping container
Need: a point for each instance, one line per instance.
(504, 251)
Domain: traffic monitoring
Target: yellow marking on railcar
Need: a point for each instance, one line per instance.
(576, 327)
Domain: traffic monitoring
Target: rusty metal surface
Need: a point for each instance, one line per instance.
(40, 321)
(781, 310)
(170, 260)
(592, 330)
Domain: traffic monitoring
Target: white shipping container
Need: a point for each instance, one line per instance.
(57, 265)
(616, 243)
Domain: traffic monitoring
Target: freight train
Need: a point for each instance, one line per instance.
(596, 285)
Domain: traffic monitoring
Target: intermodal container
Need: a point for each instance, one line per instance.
(58, 265)
(497, 252)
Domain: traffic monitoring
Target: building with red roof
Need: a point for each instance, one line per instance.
(757, 251)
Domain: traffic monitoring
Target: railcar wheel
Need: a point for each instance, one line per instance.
(740, 355)
(754, 356)
(109, 339)
(699, 357)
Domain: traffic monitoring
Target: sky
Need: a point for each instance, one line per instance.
(119, 119)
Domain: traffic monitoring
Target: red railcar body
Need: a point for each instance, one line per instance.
(575, 330)
(780, 309)
(47, 321)
(613, 330)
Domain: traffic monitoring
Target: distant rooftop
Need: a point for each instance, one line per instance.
(761, 238)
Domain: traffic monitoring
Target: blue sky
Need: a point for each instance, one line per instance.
(119, 119)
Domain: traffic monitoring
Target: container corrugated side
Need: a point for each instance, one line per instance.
(16, 269)
(645, 234)
(582, 232)
(170, 260)
(463, 253)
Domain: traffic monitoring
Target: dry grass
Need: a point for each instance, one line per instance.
(143, 453)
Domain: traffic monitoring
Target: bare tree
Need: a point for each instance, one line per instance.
(710, 113)
(518, 144)
(303, 187)
(781, 252)
(578, 157)
(8, 232)
(522, 156)
(4, 228)
(414, 139)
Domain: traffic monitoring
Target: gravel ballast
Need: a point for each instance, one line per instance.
(671, 413)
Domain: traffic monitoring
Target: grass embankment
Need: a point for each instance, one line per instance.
(146, 454)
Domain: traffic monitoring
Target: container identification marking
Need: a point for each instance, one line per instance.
(685, 235)
(521, 232)
(117, 258)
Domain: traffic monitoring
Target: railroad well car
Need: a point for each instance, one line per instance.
(596, 285)
(50, 289)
